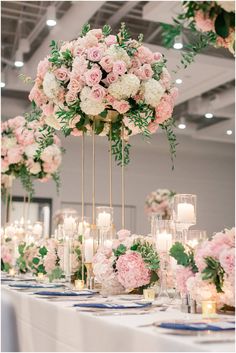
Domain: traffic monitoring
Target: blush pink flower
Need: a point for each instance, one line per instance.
(48, 109)
(182, 275)
(152, 127)
(123, 234)
(145, 72)
(227, 260)
(18, 121)
(157, 56)
(119, 67)
(164, 109)
(203, 22)
(121, 106)
(98, 93)
(75, 86)
(111, 78)
(76, 132)
(14, 155)
(43, 68)
(4, 165)
(132, 271)
(50, 261)
(74, 121)
(106, 63)
(165, 79)
(6, 254)
(144, 54)
(37, 96)
(93, 76)
(94, 54)
(110, 40)
(62, 74)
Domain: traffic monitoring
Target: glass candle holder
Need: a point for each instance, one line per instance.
(208, 308)
(37, 230)
(84, 226)
(163, 233)
(104, 217)
(79, 284)
(194, 237)
(184, 210)
(70, 225)
(149, 294)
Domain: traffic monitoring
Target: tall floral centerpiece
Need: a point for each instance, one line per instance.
(129, 263)
(208, 272)
(20, 155)
(110, 84)
(159, 202)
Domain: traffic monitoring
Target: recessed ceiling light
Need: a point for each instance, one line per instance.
(19, 63)
(19, 59)
(3, 80)
(229, 132)
(178, 81)
(182, 126)
(178, 43)
(51, 16)
(2, 84)
(51, 23)
(209, 115)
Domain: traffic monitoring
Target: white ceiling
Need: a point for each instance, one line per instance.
(199, 80)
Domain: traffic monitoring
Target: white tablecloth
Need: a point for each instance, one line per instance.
(33, 324)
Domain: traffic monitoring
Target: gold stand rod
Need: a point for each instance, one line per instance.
(6, 209)
(93, 219)
(10, 205)
(123, 181)
(24, 202)
(28, 207)
(82, 201)
(110, 170)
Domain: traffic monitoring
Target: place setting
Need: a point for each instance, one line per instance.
(117, 171)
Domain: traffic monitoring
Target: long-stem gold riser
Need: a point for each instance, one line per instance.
(123, 180)
(82, 201)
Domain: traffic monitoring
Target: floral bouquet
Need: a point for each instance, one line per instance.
(110, 84)
(159, 202)
(20, 156)
(209, 271)
(130, 264)
(7, 255)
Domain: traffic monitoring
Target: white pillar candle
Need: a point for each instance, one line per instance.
(164, 241)
(69, 224)
(83, 226)
(88, 250)
(104, 220)
(186, 213)
(67, 257)
(38, 229)
(193, 243)
(108, 243)
(46, 220)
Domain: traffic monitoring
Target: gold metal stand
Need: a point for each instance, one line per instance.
(123, 181)
(82, 202)
(90, 278)
(93, 181)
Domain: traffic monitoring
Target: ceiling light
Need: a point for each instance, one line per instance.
(19, 59)
(178, 81)
(182, 124)
(3, 80)
(209, 115)
(178, 43)
(229, 132)
(51, 16)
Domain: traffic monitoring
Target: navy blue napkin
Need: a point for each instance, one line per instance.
(113, 305)
(199, 326)
(66, 294)
(28, 285)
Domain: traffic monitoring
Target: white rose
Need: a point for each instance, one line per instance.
(153, 92)
(50, 85)
(35, 168)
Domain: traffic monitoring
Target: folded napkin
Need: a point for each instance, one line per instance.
(66, 294)
(36, 285)
(200, 326)
(113, 305)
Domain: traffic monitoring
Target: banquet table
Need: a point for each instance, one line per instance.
(34, 324)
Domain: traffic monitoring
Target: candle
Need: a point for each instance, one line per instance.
(149, 294)
(38, 229)
(40, 277)
(104, 220)
(192, 242)
(83, 226)
(186, 213)
(208, 309)
(164, 241)
(108, 243)
(22, 221)
(88, 250)
(67, 257)
(69, 224)
(46, 220)
(12, 272)
(79, 284)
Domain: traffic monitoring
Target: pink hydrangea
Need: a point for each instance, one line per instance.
(227, 260)
(43, 67)
(200, 289)
(14, 155)
(164, 109)
(123, 234)
(182, 275)
(50, 261)
(6, 254)
(132, 271)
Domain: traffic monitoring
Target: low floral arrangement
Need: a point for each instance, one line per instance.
(211, 22)
(131, 264)
(110, 84)
(20, 155)
(208, 272)
(159, 202)
(7, 255)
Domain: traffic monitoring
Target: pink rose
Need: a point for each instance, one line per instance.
(111, 78)
(98, 93)
(152, 127)
(37, 96)
(144, 54)
(14, 155)
(93, 76)
(4, 165)
(203, 22)
(44, 180)
(94, 54)
(50, 261)
(110, 40)
(43, 68)
(164, 109)
(157, 56)
(97, 32)
(16, 122)
(71, 96)
(75, 86)
(123, 234)
(132, 271)
(74, 121)
(130, 125)
(48, 109)
(62, 74)
(76, 132)
(106, 63)
(146, 72)
(121, 106)
(119, 67)
(25, 137)
(165, 79)
(135, 63)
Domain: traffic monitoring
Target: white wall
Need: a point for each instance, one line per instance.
(201, 167)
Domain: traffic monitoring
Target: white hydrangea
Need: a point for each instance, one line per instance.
(118, 53)
(35, 168)
(152, 92)
(8, 142)
(50, 85)
(30, 150)
(89, 106)
(126, 86)
(52, 120)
